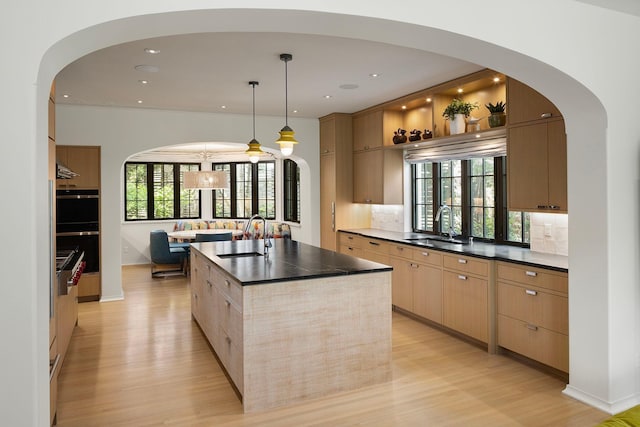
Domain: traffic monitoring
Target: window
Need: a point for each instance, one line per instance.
(291, 191)
(252, 189)
(155, 191)
(475, 190)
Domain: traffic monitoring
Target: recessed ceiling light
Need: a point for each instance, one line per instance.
(460, 90)
(65, 95)
(152, 51)
(348, 86)
(327, 96)
(144, 82)
(428, 99)
(295, 111)
(404, 107)
(147, 68)
(415, 145)
(139, 101)
(477, 135)
(223, 107)
(374, 75)
(496, 79)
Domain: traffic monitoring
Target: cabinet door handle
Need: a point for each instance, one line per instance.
(414, 265)
(462, 261)
(425, 253)
(461, 277)
(226, 282)
(374, 243)
(545, 115)
(399, 248)
(350, 249)
(227, 303)
(367, 200)
(209, 283)
(543, 207)
(531, 273)
(530, 292)
(532, 327)
(350, 238)
(554, 207)
(228, 340)
(333, 216)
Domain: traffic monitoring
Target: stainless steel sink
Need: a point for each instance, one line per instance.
(426, 239)
(239, 255)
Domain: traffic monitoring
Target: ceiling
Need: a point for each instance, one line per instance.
(203, 72)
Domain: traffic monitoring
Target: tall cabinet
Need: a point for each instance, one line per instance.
(337, 210)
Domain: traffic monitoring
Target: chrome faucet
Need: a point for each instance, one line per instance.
(267, 242)
(446, 207)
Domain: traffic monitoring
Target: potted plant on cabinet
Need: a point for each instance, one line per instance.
(498, 116)
(456, 112)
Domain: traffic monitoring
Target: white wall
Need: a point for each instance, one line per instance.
(591, 75)
(122, 132)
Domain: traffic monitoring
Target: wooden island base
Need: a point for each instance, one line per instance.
(285, 342)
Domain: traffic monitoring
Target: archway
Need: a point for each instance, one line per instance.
(567, 93)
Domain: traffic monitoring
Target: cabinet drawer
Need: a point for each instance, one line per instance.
(466, 264)
(229, 317)
(351, 250)
(374, 245)
(400, 250)
(350, 240)
(228, 288)
(534, 307)
(548, 347)
(533, 276)
(427, 256)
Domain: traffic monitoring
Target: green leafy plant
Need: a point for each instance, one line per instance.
(458, 106)
(498, 108)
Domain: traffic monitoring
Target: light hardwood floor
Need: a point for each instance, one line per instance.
(144, 362)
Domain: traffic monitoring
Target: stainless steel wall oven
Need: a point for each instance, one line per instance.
(77, 224)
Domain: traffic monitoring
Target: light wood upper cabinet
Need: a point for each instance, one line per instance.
(83, 160)
(526, 104)
(374, 129)
(537, 167)
(378, 177)
(327, 135)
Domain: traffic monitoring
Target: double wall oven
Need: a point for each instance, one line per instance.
(78, 224)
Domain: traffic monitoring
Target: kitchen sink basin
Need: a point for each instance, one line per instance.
(240, 255)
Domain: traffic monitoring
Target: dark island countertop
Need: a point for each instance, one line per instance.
(477, 249)
(288, 260)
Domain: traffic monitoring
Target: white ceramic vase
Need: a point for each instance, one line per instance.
(457, 125)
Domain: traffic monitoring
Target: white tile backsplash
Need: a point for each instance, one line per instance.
(387, 217)
(550, 233)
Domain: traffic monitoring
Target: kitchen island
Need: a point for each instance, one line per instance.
(300, 323)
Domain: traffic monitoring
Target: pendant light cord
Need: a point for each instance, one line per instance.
(254, 109)
(286, 93)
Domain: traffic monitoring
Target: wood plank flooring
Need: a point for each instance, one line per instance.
(144, 362)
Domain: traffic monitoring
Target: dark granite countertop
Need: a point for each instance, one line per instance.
(288, 260)
(477, 249)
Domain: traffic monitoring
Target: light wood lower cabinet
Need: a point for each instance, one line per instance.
(466, 296)
(89, 287)
(520, 308)
(533, 316)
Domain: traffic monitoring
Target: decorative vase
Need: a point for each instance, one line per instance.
(497, 119)
(457, 125)
(399, 136)
(427, 134)
(415, 135)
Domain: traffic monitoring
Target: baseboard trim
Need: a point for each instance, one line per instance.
(112, 298)
(608, 407)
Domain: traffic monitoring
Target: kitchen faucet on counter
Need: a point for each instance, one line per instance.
(267, 242)
(446, 207)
